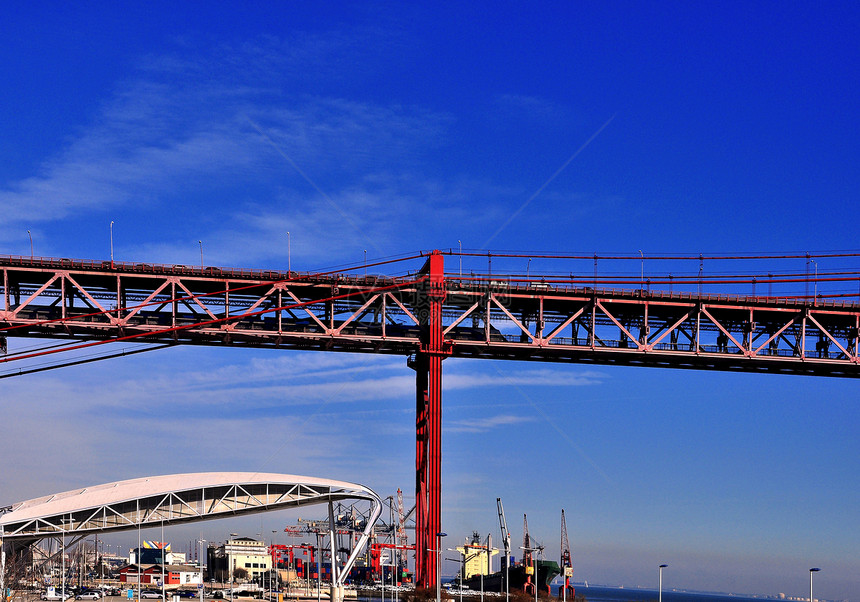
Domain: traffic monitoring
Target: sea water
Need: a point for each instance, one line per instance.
(619, 594)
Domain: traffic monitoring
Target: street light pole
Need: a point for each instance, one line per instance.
(101, 564)
(200, 242)
(200, 547)
(63, 557)
(228, 562)
(272, 568)
(111, 244)
(439, 537)
(534, 566)
(463, 568)
(507, 566)
(137, 555)
(163, 560)
(31, 244)
(489, 566)
(810, 583)
(3, 562)
(319, 566)
(660, 585)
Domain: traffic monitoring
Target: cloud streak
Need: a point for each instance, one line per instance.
(488, 423)
(184, 129)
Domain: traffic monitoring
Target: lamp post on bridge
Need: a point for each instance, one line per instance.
(815, 282)
(460, 245)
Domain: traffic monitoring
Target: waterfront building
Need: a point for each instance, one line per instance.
(150, 574)
(155, 552)
(239, 556)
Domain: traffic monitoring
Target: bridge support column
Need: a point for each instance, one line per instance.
(428, 424)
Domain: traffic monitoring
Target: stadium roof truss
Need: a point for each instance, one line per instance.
(174, 499)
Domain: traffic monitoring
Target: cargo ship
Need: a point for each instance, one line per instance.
(521, 578)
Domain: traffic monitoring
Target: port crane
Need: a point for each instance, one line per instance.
(348, 521)
(401, 531)
(506, 538)
(529, 549)
(566, 563)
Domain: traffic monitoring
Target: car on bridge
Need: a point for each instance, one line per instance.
(88, 596)
(55, 595)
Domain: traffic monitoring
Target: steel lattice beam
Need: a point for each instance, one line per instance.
(426, 317)
(92, 303)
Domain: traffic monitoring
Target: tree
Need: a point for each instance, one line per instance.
(240, 573)
(15, 573)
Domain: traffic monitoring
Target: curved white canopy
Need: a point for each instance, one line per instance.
(172, 499)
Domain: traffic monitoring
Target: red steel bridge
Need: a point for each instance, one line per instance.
(427, 315)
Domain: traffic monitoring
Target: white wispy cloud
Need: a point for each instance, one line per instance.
(261, 381)
(241, 122)
(558, 377)
(302, 380)
(180, 131)
(534, 109)
(487, 423)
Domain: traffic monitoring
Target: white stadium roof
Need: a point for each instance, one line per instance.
(177, 498)
(170, 499)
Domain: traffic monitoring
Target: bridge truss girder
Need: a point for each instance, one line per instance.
(427, 316)
(481, 318)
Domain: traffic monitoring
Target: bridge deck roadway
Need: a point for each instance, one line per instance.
(481, 318)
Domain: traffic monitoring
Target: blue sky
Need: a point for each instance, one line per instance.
(680, 128)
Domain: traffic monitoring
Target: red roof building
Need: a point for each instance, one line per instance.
(150, 574)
